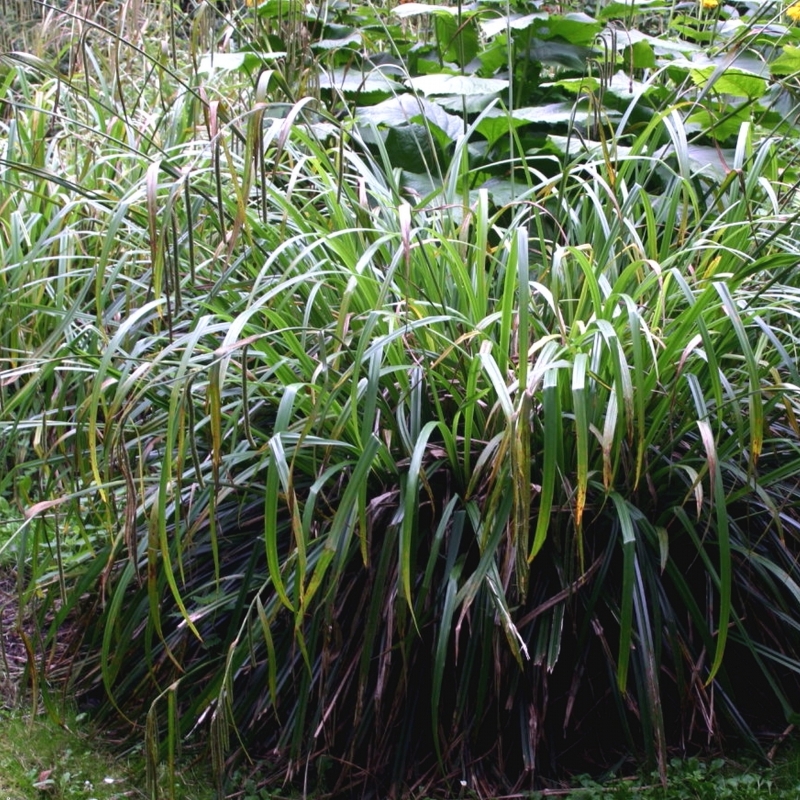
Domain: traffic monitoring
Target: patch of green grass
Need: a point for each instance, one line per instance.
(39, 758)
(693, 779)
(788, 767)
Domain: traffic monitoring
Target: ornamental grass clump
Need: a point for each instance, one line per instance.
(399, 481)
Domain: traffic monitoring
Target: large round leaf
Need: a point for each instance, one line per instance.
(456, 84)
(406, 108)
(351, 81)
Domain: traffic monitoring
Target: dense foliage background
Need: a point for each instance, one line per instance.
(405, 396)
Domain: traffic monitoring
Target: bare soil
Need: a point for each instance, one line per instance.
(13, 656)
(21, 642)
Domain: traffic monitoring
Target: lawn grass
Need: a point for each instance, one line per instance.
(695, 779)
(40, 758)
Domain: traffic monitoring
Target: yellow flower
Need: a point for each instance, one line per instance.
(793, 12)
(709, 4)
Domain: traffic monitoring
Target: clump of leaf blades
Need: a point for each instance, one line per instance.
(399, 490)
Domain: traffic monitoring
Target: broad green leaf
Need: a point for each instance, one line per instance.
(573, 145)
(688, 27)
(458, 42)
(412, 148)
(787, 63)
(640, 55)
(512, 22)
(405, 10)
(734, 82)
(456, 85)
(504, 191)
(576, 28)
(351, 81)
(721, 125)
(402, 110)
(493, 56)
(279, 9)
(711, 161)
(466, 103)
(588, 84)
(620, 85)
(661, 45)
(559, 54)
(625, 10)
(353, 39)
(229, 62)
(551, 114)
(497, 124)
